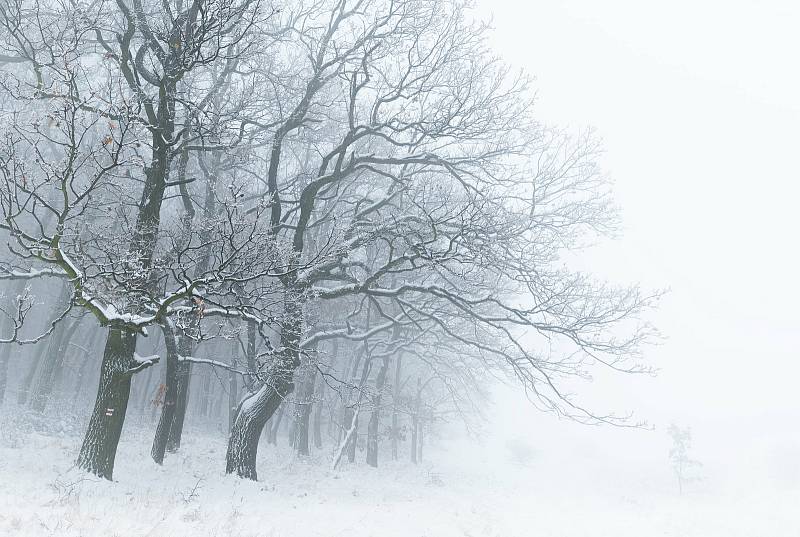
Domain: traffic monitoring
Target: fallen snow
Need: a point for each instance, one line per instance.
(454, 492)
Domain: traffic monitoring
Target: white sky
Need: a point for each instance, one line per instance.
(698, 103)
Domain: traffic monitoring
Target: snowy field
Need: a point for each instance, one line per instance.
(499, 488)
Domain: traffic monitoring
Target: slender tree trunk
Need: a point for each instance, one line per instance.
(170, 397)
(81, 378)
(421, 436)
(352, 439)
(395, 399)
(318, 415)
(184, 373)
(275, 425)
(5, 355)
(415, 423)
(304, 412)
(375, 417)
(414, 430)
(27, 382)
(99, 447)
(233, 386)
(51, 366)
(5, 350)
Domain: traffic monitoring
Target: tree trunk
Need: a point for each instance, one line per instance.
(275, 425)
(5, 350)
(5, 355)
(27, 383)
(415, 423)
(170, 397)
(251, 416)
(414, 430)
(51, 365)
(318, 415)
(99, 447)
(183, 372)
(233, 386)
(395, 399)
(375, 418)
(352, 439)
(304, 418)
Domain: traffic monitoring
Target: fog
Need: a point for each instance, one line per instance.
(352, 277)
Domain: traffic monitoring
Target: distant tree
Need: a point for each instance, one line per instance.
(682, 464)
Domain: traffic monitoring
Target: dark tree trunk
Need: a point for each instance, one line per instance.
(252, 415)
(305, 403)
(170, 398)
(99, 447)
(184, 373)
(255, 410)
(375, 418)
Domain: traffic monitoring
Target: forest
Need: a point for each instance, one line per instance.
(332, 225)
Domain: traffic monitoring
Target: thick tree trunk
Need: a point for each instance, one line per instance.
(99, 447)
(252, 415)
(256, 409)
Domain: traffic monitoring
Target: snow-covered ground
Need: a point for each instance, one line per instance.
(502, 487)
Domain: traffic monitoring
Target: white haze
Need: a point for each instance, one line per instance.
(697, 104)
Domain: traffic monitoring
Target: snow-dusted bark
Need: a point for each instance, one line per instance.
(253, 413)
(120, 361)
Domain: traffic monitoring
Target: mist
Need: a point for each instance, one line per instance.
(412, 268)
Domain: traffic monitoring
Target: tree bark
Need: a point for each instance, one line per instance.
(256, 409)
(251, 416)
(99, 447)
(183, 374)
(305, 402)
(170, 397)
